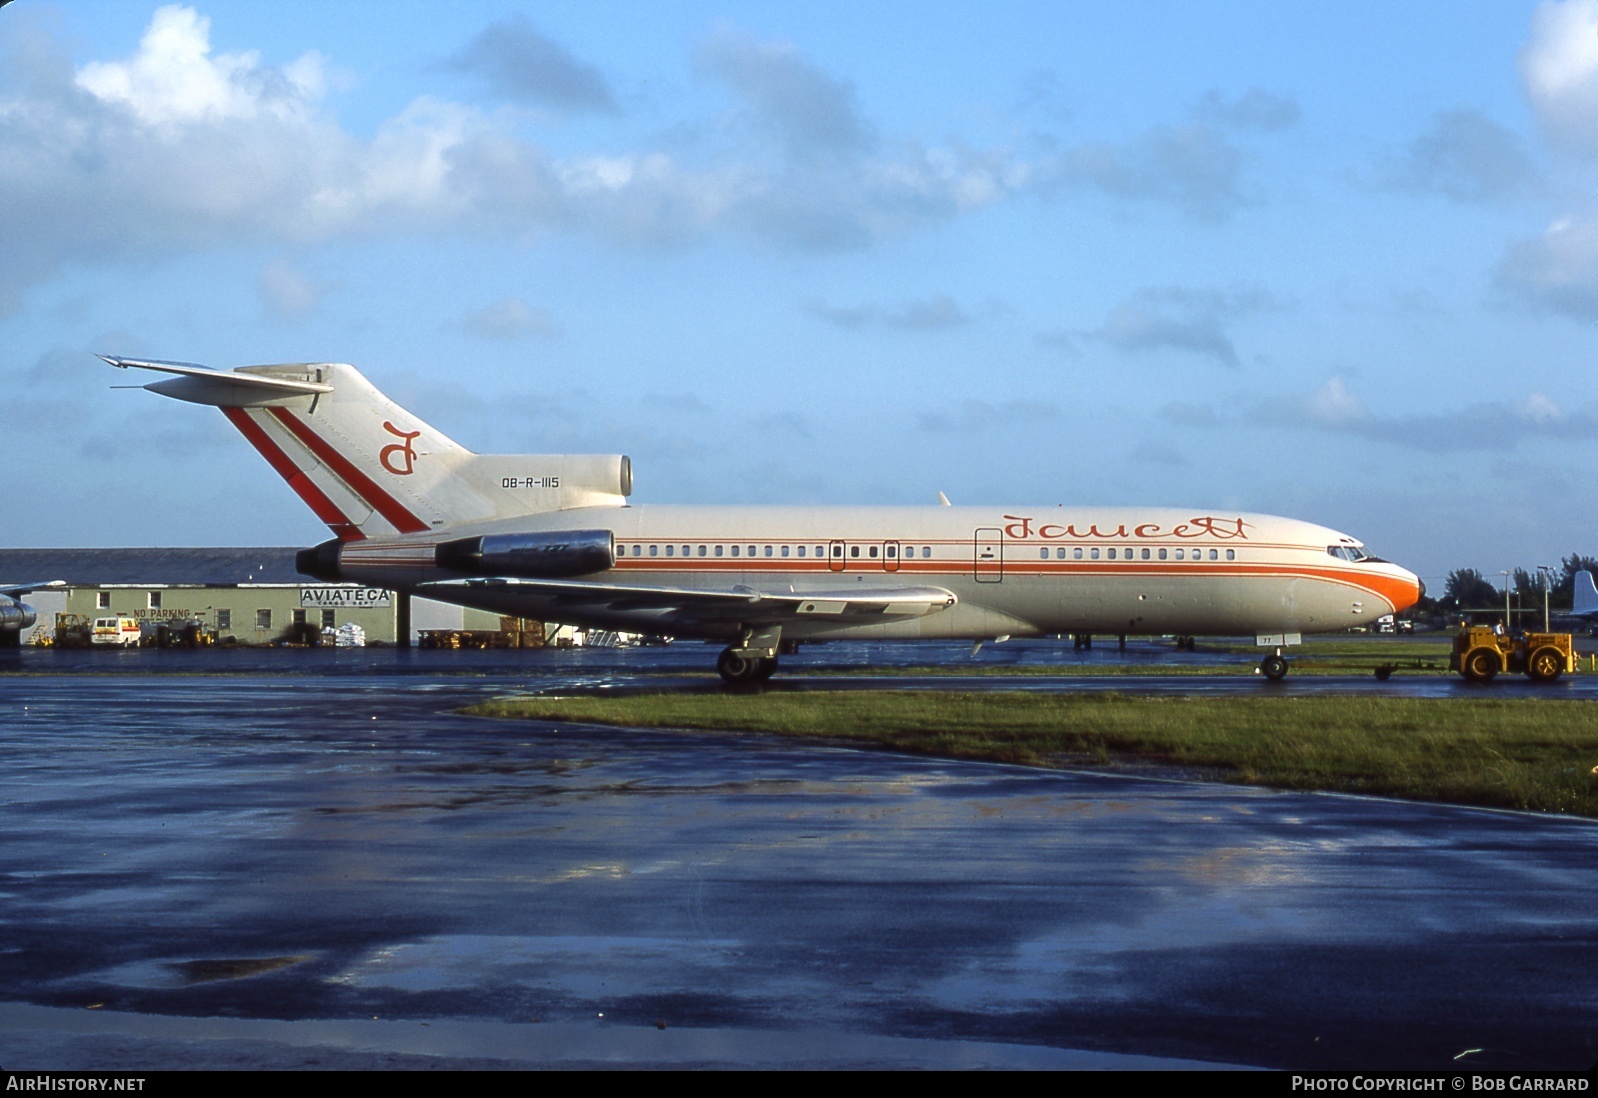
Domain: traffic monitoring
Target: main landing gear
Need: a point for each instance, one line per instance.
(754, 657)
(740, 670)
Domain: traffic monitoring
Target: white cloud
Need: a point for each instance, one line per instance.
(289, 292)
(1466, 156)
(1181, 319)
(808, 110)
(508, 319)
(1332, 405)
(1540, 409)
(1255, 109)
(1195, 166)
(931, 314)
(178, 147)
(174, 78)
(1496, 425)
(1158, 453)
(170, 149)
(521, 64)
(1557, 270)
(1189, 415)
(1560, 67)
(979, 415)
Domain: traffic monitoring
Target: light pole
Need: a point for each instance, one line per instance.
(1548, 579)
(1509, 622)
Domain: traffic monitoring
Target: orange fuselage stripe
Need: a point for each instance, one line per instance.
(1393, 590)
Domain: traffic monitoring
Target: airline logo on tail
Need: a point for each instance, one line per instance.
(403, 449)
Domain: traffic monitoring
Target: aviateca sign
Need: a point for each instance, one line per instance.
(351, 598)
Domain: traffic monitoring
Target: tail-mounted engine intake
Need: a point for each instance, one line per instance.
(531, 556)
(321, 561)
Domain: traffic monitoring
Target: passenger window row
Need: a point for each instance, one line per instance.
(873, 551)
(890, 551)
(1135, 554)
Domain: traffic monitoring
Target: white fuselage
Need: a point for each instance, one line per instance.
(1019, 571)
(552, 537)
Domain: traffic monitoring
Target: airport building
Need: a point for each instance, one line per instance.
(247, 613)
(229, 596)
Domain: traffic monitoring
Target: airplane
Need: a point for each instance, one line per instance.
(16, 615)
(1584, 604)
(553, 537)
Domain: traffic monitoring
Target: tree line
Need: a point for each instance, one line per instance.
(1468, 589)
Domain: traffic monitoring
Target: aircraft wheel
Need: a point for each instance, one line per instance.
(1273, 667)
(736, 670)
(1481, 665)
(1545, 665)
(767, 668)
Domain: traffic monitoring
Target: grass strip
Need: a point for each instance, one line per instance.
(1536, 755)
(1300, 665)
(1341, 656)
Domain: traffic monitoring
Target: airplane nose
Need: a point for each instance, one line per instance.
(1417, 586)
(1403, 589)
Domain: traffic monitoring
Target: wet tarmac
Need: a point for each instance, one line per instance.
(1031, 665)
(1150, 666)
(307, 859)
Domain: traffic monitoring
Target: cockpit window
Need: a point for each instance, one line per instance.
(1351, 553)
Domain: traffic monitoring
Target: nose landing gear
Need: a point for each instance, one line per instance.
(1274, 666)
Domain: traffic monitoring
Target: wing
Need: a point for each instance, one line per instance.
(661, 609)
(18, 589)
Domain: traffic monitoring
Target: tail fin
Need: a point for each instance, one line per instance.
(1586, 596)
(369, 468)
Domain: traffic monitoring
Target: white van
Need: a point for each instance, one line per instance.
(116, 632)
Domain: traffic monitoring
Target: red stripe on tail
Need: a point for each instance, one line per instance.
(314, 497)
(397, 514)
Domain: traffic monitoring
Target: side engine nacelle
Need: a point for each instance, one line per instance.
(16, 615)
(550, 554)
(531, 556)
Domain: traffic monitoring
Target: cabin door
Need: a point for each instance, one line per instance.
(988, 554)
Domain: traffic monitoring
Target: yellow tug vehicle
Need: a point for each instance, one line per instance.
(1481, 652)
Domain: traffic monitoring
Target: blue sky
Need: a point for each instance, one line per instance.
(1333, 261)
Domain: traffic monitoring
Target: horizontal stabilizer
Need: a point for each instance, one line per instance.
(200, 385)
